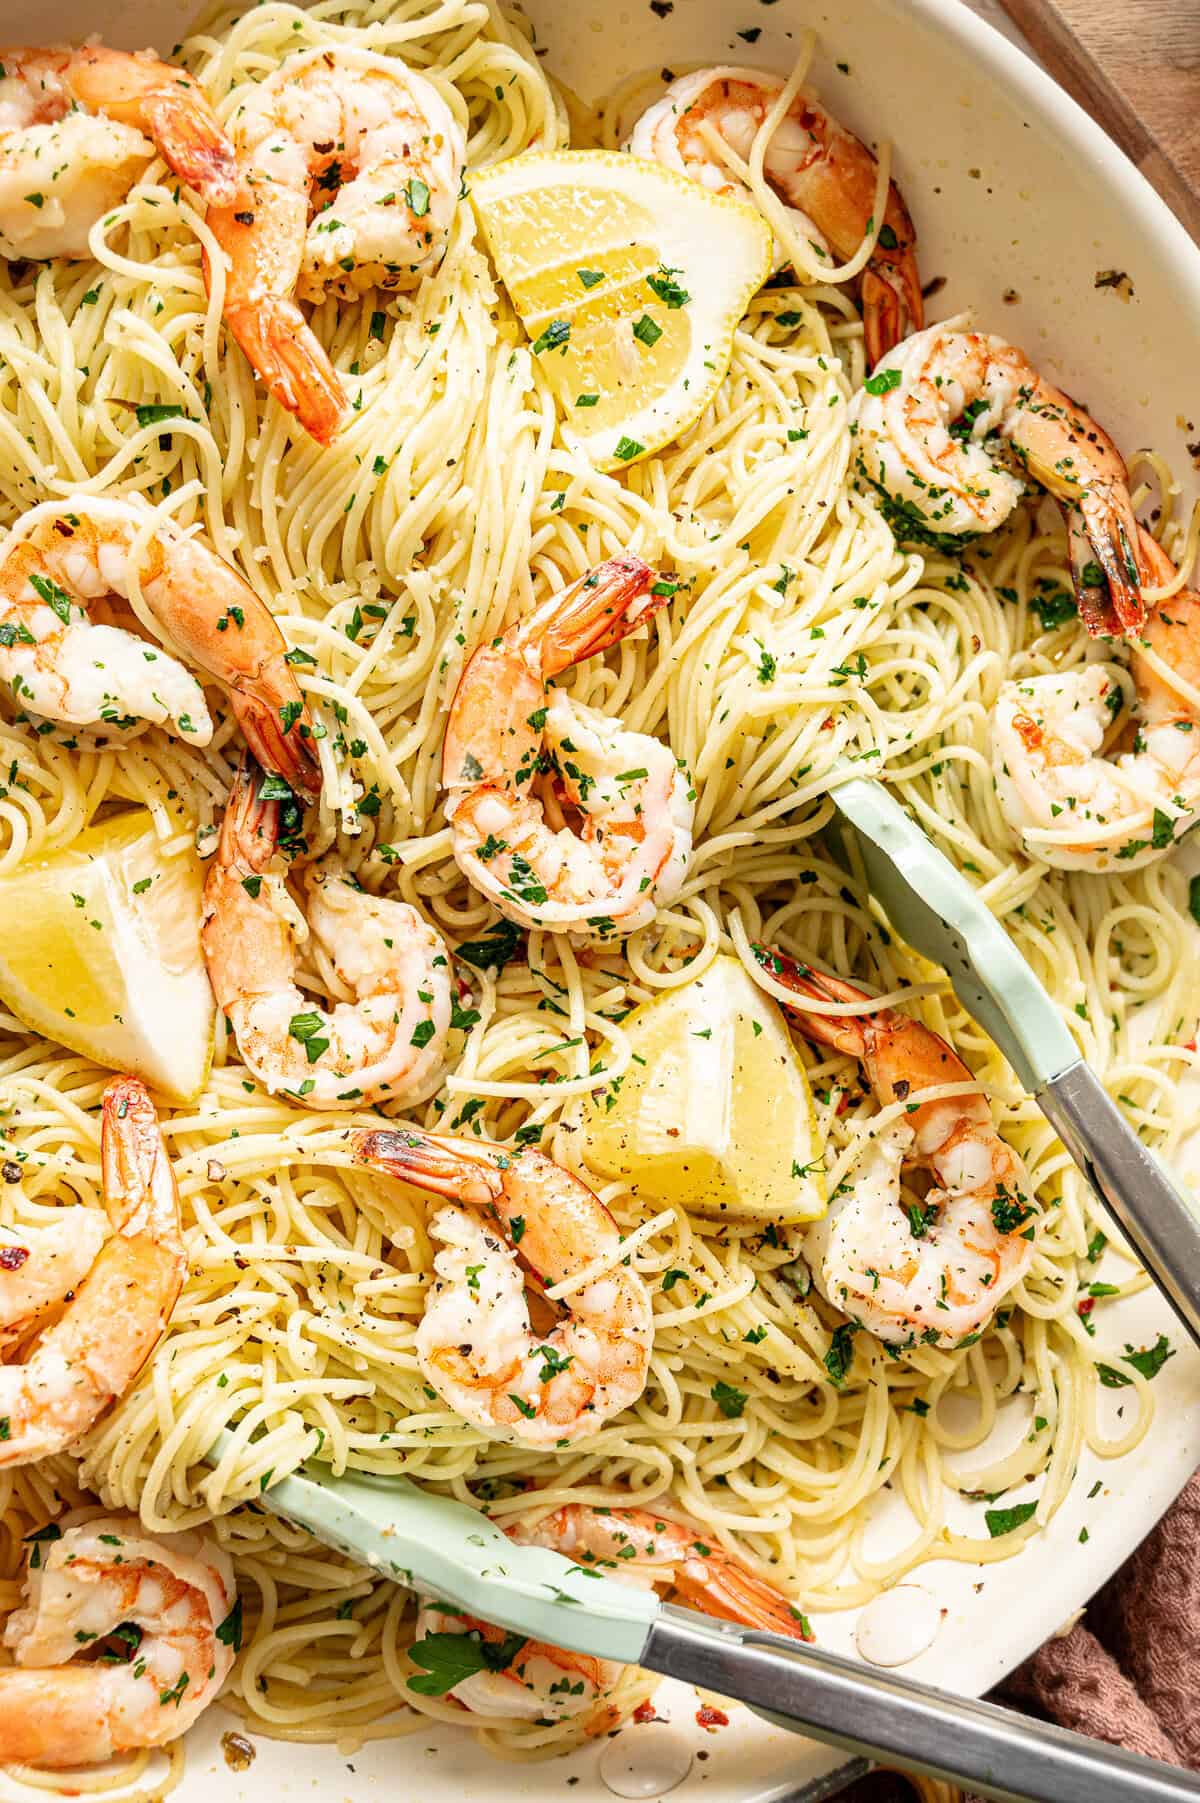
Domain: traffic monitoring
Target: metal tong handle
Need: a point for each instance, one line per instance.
(868, 1711)
(1151, 1211)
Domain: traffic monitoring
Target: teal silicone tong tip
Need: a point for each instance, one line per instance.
(453, 1552)
(941, 916)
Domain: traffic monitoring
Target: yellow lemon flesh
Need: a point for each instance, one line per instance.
(715, 1113)
(100, 950)
(630, 280)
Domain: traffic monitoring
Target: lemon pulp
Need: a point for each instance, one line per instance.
(715, 1112)
(100, 950)
(630, 280)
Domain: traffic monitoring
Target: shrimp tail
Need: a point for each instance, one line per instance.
(250, 826)
(286, 751)
(194, 145)
(843, 1032)
(893, 306)
(286, 354)
(1102, 539)
(883, 315)
(595, 612)
(135, 1168)
(169, 106)
(726, 1590)
(443, 1167)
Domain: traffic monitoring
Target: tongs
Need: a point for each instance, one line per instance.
(446, 1550)
(938, 913)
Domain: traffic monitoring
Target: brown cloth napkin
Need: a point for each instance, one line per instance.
(1129, 1672)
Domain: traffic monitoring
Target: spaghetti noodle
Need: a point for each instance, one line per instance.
(801, 639)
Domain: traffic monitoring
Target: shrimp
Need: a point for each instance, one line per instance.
(74, 126)
(933, 1272)
(65, 666)
(390, 1041)
(41, 1267)
(169, 1604)
(639, 1547)
(475, 1343)
(90, 1356)
(373, 147)
(928, 427)
(629, 791)
(1067, 801)
(826, 178)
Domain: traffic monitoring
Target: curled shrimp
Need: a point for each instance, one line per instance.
(169, 1603)
(639, 1547)
(353, 165)
(932, 1272)
(64, 665)
(1069, 802)
(389, 1042)
(74, 126)
(825, 177)
(929, 427)
(475, 1342)
(90, 1356)
(627, 789)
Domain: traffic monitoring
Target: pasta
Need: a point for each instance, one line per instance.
(801, 637)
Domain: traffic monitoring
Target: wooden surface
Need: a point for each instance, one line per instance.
(1135, 66)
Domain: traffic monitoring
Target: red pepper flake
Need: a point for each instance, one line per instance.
(843, 1102)
(645, 1712)
(1189, 1045)
(711, 1718)
(13, 1257)
(1086, 1306)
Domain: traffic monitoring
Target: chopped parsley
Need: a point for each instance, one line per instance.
(498, 948)
(840, 1357)
(667, 288)
(1003, 1521)
(556, 334)
(448, 1659)
(1148, 1360)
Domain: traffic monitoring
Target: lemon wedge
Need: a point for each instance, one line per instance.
(715, 1113)
(630, 280)
(100, 951)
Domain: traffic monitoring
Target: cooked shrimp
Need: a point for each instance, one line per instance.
(632, 798)
(92, 1353)
(373, 147)
(74, 126)
(1070, 803)
(932, 1272)
(639, 1547)
(390, 1041)
(824, 175)
(170, 1603)
(65, 666)
(41, 1267)
(927, 430)
(475, 1342)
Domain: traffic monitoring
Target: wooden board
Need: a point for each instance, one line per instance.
(1135, 66)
